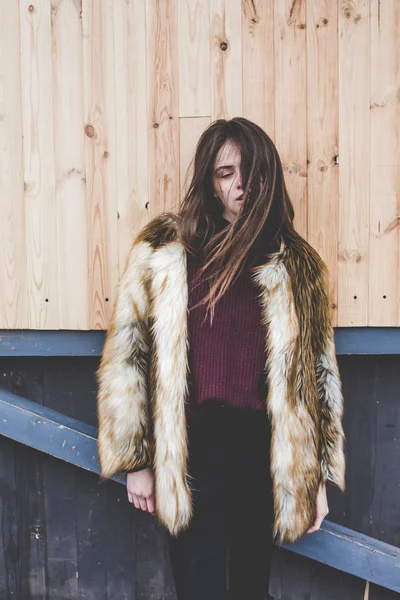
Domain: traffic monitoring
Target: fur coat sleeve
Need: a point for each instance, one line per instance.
(125, 438)
(318, 364)
(329, 385)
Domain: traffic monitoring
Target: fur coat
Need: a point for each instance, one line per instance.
(143, 378)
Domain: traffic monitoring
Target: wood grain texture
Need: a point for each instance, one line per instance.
(194, 58)
(163, 95)
(131, 123)
(101, 107)
(258, 75)
(291, 102)
(100, 147)
(70, 165)
(384, 214)
(226, 69)
(38, 149)
(354, 157)
(13, 266)
(322, 136)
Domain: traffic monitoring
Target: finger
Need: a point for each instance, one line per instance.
(136, 501)
(313, 527)
(311, 530)
(150, 504)
(142, 502)
(130, 497)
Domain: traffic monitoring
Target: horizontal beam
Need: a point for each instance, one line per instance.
(49, 431)
(13, 342)
(352, 552)
(70, 440)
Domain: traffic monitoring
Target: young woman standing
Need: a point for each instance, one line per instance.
(219, 390)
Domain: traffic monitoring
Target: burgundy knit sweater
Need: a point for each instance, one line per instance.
(227, 359)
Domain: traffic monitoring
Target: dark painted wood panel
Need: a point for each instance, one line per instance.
(60, 502)
(61, 436)
(385, 506)
(61, 521)
(9, 547)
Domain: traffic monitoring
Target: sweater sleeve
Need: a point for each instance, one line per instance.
(124, 435)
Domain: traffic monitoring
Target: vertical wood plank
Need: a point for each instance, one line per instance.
(61, 542)
(385, 514)
(13, 267)
(70, 165)
(90, 528)
(226, 59)
(322, 136)
(291, 102)
(360, 386)
(131, 123)
(258, 64)
(163, 98)
(190, 131)
(120, 563)
(99, 110)
(384, 171)
(385, 510)
(38, 144)
(9, 548)
(194, 58)
(10, 579)
(354, 152)
(296, 577)
(27, 381)
(152, 571)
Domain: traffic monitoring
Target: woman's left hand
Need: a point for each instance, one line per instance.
(322, 509)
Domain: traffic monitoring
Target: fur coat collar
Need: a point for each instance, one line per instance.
(143, 378)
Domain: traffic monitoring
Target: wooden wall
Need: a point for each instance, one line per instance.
(101, 105)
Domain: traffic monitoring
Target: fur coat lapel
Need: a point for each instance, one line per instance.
(143, 375)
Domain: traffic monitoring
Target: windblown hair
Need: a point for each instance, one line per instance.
(266, 212)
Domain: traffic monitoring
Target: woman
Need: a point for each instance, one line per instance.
(219, 390)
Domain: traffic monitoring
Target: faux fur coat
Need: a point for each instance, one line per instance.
(143, 378)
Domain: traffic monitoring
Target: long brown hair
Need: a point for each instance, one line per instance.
(266, 213)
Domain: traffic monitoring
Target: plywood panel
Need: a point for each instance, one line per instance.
(354, 150)
(13, 267)
(291, 102)
(384, 216)
(38, 148)
(322, 136)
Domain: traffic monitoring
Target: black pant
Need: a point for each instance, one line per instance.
(226, 552)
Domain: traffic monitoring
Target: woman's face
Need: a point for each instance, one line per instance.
(227, 181)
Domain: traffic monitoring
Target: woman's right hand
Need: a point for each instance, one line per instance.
(140, 488)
